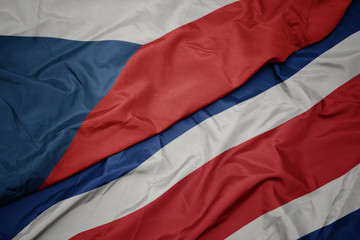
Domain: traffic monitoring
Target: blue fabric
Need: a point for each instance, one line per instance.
(47, 88)
(346, 228)
(28, 208)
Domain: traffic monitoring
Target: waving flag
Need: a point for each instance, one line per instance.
(180, 120)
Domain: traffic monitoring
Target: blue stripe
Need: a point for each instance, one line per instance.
(346, 228)
(25, 210)
(47, 88)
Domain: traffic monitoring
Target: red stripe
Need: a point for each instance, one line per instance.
(191, 67)
(253, 178)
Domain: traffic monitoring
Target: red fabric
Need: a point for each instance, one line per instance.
(191, 67)
(253, 178)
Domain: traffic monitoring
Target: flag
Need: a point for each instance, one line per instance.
(171, 120)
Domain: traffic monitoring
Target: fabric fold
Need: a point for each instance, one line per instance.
(192, 66)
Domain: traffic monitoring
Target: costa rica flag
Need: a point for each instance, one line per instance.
(179, 120)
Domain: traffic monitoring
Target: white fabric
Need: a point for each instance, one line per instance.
(138, 21)
(199, 145)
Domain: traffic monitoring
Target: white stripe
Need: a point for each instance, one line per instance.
(199, 145)
(307, 213)
(139, 21)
